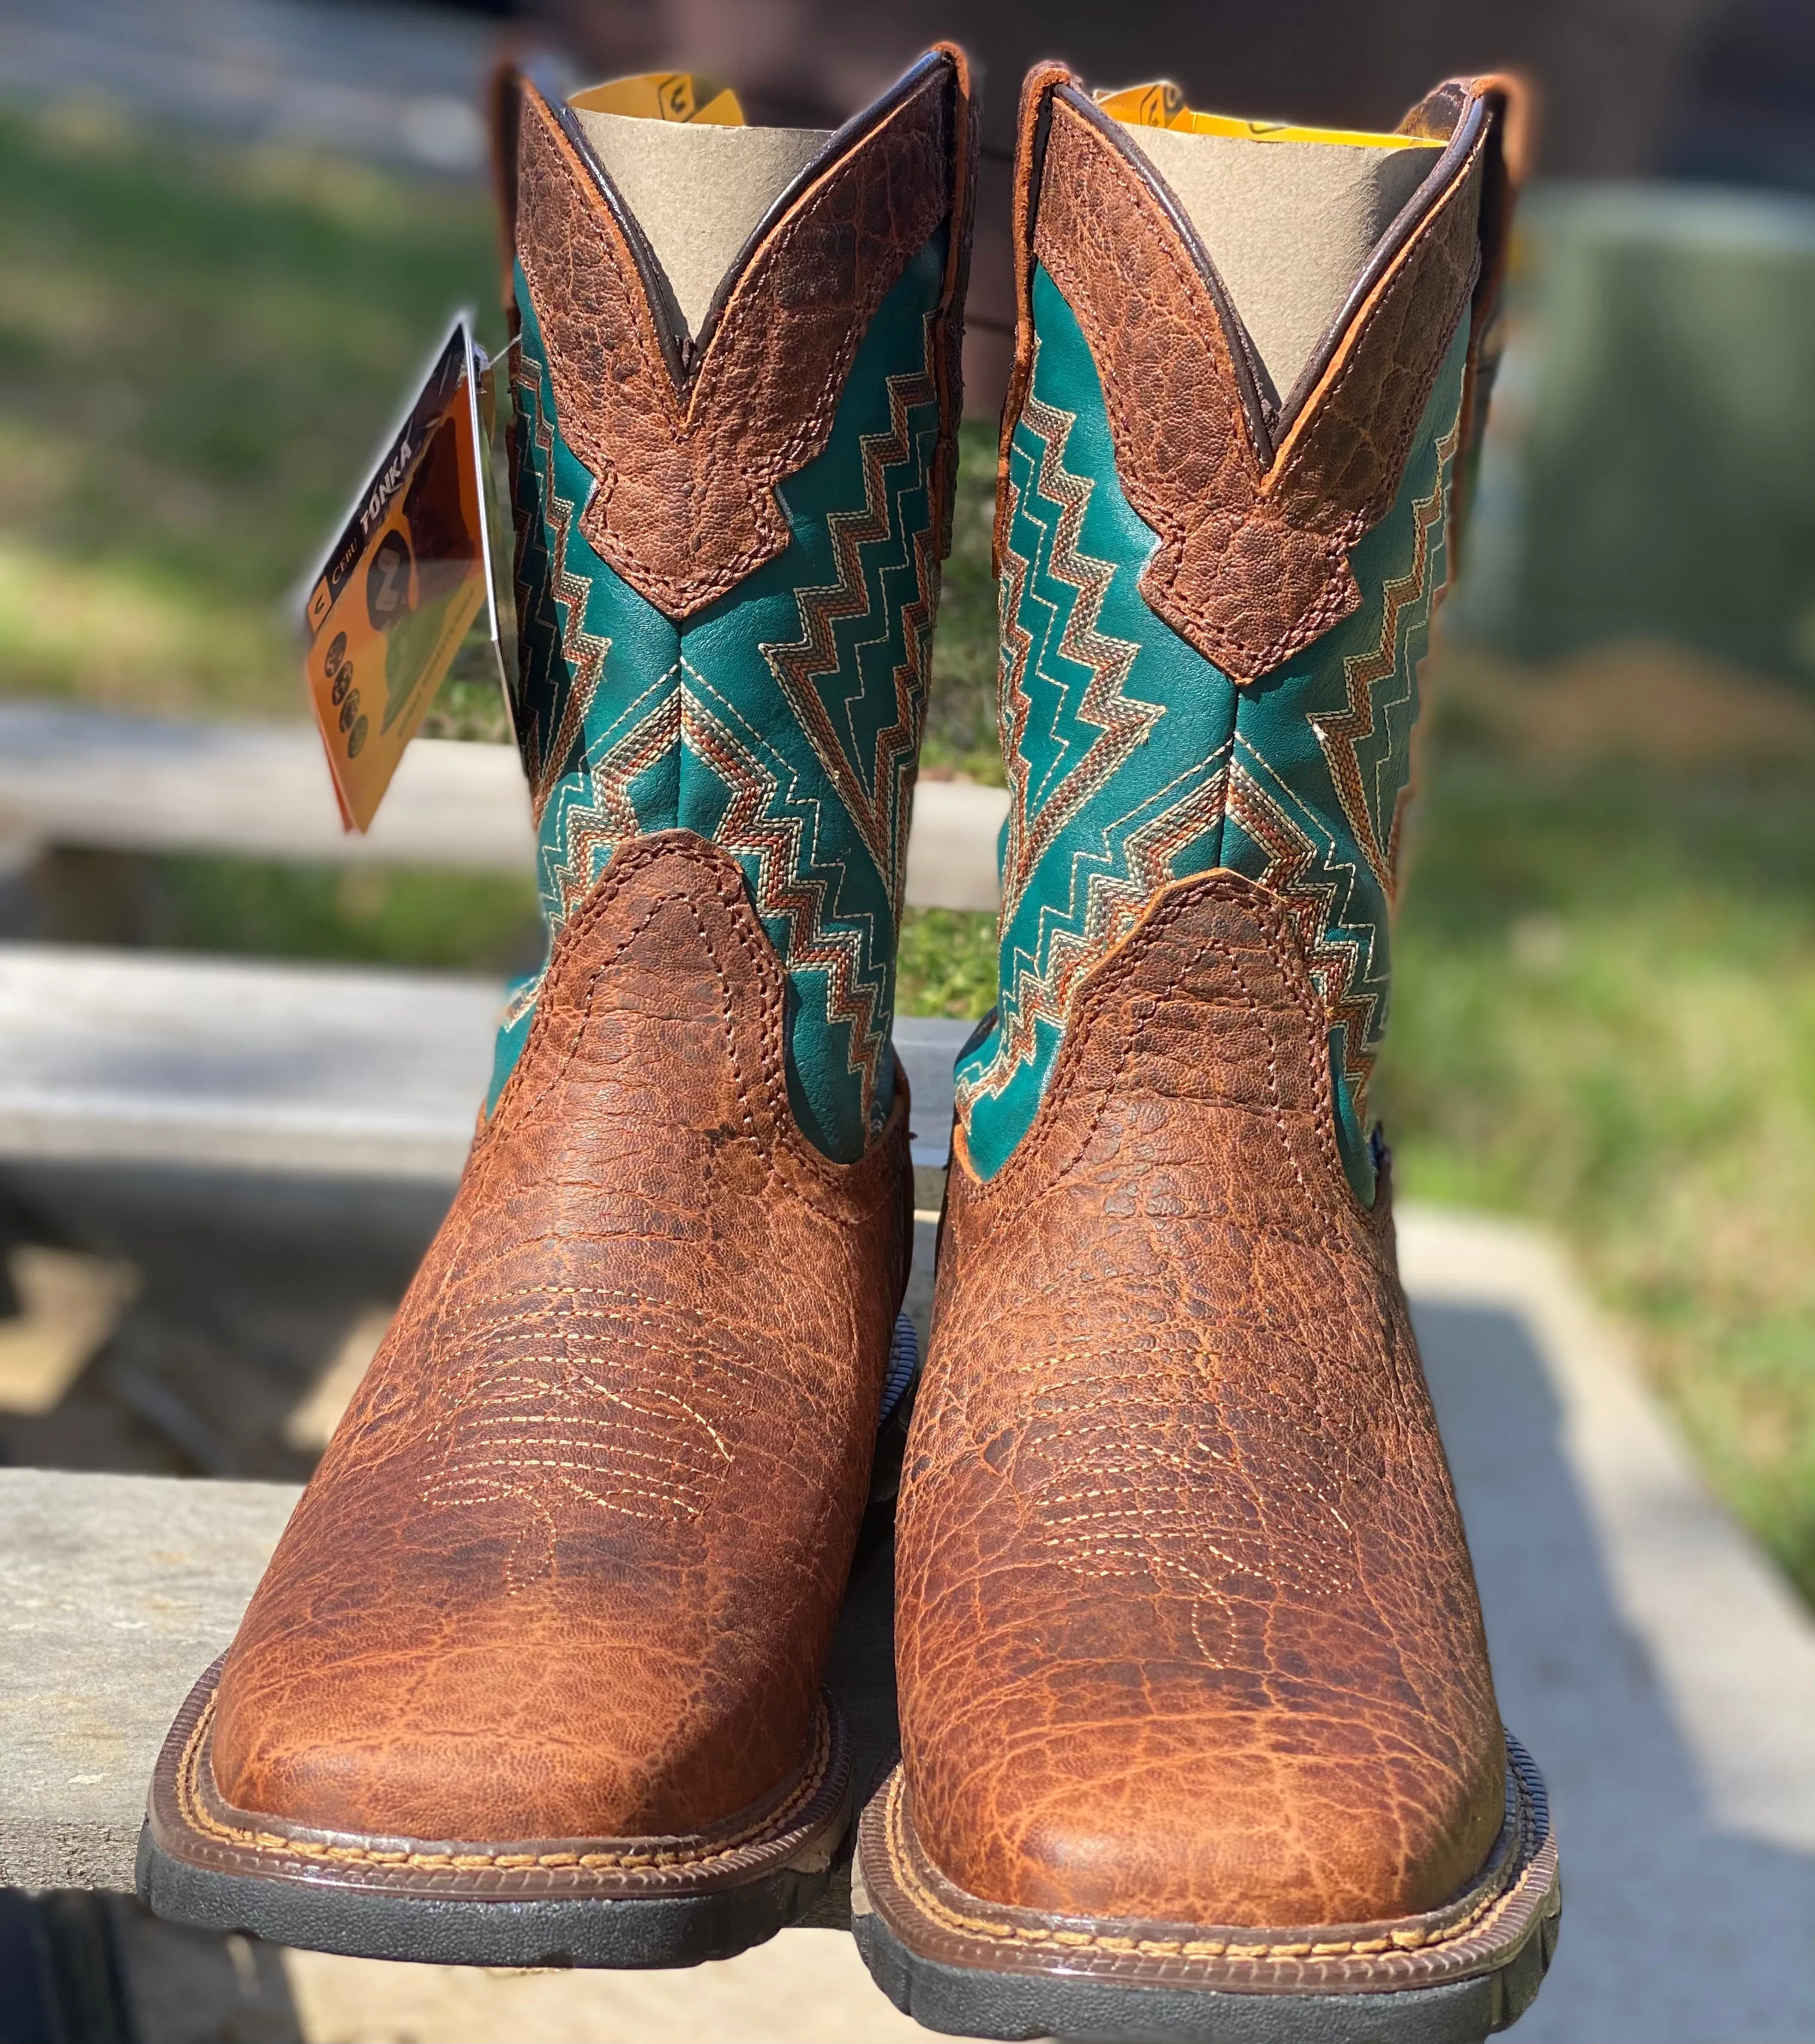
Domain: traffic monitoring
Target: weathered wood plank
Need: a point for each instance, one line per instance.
(124, 1057)
(102, 779)
(116, 1592)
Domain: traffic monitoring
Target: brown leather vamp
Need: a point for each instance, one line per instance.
(1187, 1629)
(572, 1561)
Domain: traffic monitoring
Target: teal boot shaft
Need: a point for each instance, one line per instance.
(1141, 747)
(755, 673)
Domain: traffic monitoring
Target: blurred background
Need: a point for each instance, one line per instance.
(233, 229)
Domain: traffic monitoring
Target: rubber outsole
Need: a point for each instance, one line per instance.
(959, 2001)
(629, 1933)
(970, 1968)
(618, 1903)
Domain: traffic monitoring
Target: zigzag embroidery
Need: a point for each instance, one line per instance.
(1123, 723)
(583, 651)
(1407, 604)
(786, 885)
(1309, 879)
(521, 1001)
(878, 806)
(1113, 905)
(582, 777)
(593, 814)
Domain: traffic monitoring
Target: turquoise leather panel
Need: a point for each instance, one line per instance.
(1133, 761)
(783, 722)
(1114, 731)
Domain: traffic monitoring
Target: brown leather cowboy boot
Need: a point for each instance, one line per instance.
(1198, 1734)
(534, 1676)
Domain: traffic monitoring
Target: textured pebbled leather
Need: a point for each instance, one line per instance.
(684, 506)
(571, 1563)
(1186, 1625)
(1252, 564)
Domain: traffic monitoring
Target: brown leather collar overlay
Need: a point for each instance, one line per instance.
(686, 442)
(1511, 108)
(1256, 515)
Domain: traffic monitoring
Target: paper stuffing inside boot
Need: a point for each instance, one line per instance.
(1288, 216)
(698, 186)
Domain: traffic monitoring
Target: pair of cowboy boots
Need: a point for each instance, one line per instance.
(1198, 1733)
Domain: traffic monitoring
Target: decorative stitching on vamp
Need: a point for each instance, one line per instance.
(1411, 1938)
(196, 1814)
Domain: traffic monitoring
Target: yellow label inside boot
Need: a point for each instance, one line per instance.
(1162, 104)
(664, 95)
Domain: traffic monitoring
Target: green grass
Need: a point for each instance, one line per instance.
(961, 713)
(1605, 1009)
(471, 922)
(200, 349)
(464, 922)
(947, 964)
(1604, 1017)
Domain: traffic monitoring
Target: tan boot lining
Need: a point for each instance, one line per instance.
(697, 191)
(1288, 225)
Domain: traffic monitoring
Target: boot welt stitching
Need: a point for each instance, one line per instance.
(196, 1814)
(908, 1878)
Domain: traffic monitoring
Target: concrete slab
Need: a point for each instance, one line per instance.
(140, 1058)
(807, 1987)
(952, 847)
(1661, 1671)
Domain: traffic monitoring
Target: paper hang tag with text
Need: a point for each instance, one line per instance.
(409, 581)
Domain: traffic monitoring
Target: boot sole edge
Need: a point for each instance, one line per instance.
(342, 1893)
(626, 1933)
(1052, 1994)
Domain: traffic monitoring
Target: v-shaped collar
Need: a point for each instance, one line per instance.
(684, 352)
(1269, 425)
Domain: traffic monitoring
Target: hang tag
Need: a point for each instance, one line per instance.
(664, 95)
(408, 579)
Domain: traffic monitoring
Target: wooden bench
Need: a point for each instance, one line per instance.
(120, 1057)
(127, 1057)
(98, 780)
